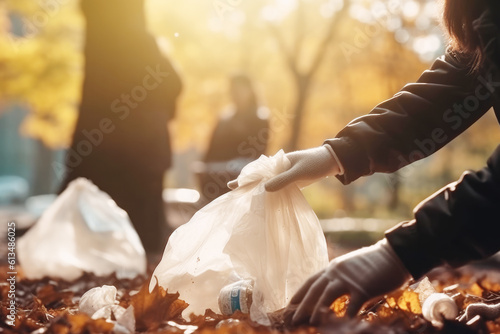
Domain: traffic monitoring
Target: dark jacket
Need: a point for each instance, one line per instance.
(128, 82)
(241, 135)
(461, 222)
(237, 140)
(121, 142)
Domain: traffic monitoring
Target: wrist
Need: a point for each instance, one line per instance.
(338, 169)
(391, 256)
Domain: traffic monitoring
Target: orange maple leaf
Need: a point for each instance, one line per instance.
(153, 309)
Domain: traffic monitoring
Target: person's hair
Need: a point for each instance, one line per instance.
(458, 18)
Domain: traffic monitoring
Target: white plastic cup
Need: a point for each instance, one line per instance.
(439, 306)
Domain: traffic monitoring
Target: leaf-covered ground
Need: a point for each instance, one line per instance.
(51, 306)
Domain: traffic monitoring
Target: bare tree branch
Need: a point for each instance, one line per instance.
(303, 77)
(299, 32)
(289, 58)
(330, 34)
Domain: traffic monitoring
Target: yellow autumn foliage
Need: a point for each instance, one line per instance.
(207, 41)
(41, 43)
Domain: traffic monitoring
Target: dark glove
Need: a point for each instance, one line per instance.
(363, 274)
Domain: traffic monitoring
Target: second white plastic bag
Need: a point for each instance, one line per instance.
(274, 239)
(83, 230)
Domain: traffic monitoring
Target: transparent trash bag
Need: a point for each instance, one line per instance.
(273, 239)
(82, 231)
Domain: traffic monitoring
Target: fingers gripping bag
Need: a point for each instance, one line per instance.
(82, 231)
(270, 241)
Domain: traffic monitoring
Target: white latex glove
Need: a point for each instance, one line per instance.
(306, 166)
(363, 274)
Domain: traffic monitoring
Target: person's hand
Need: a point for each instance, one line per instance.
(306, 166)
(363, 274)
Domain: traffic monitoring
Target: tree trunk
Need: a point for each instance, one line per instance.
(303, 83)
(42, 172)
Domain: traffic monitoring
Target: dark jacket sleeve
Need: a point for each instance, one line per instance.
(416, 122)
(461, 222)
(458, 224)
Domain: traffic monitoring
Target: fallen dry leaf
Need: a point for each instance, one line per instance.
(152, 310)
(339, 306)
(79, 324)
(51, 306)
(405, 300)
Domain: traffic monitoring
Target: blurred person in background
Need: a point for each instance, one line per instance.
(240, 136)
(458, 224)
(121, 141)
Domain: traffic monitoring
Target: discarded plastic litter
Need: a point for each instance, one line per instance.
(100, 302)
(273, 239)
(435, 306)
(439, 306)
(97, 298)
(82, 231)
(236, 297)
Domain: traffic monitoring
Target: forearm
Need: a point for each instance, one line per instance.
(458, 224)
(419, 120)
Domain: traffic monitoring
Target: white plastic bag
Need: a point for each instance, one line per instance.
(83, 230)
(274, 239)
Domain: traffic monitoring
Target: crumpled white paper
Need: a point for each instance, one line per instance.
(100, 302)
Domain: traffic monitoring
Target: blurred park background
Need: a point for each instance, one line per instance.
(317, 64)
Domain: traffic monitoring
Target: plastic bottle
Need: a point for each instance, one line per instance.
(236, 296)
(435, 306)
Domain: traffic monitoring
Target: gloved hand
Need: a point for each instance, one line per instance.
(363, 274)
(306, 165)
